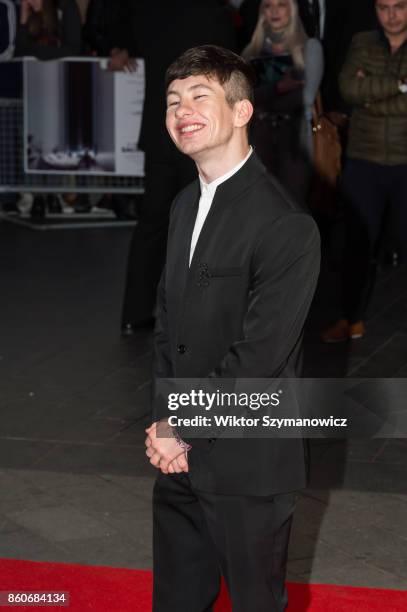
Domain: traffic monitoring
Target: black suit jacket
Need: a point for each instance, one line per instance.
(258, 254)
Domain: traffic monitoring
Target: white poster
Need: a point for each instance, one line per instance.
(81, 118)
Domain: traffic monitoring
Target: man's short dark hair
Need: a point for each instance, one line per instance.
(234, 74)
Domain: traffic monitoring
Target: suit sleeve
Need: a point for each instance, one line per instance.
(162, 367)
(162, 355)
(285, 268)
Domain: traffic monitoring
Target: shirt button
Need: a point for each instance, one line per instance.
(182, 349)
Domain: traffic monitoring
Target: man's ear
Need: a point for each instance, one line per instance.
(243, 112)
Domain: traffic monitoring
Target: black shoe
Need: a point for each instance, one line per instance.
(129, 329)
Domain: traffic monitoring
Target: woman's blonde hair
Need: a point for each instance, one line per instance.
(294, 37)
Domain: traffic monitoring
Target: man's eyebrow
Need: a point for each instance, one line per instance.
(192, 88)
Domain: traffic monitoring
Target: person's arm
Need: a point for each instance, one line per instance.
(357, 86)
(285, 269)
(71, 31)
(164, 448)
(314, 70)
(162, 363)
(394, 107)
(7, 30)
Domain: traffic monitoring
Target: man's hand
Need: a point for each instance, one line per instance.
(120, 60)
(360, 74)
(163, 448)
(178, 465)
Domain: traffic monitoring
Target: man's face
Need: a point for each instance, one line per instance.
(199, 119)
(392, 15)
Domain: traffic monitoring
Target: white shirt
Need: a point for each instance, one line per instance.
(205, 201)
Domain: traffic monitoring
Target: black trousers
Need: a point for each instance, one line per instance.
(164, 179)
(199, 536)
(373, 194)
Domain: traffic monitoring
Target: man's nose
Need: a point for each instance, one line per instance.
(183, 109)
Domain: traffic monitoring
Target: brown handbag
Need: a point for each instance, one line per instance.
(327, 151)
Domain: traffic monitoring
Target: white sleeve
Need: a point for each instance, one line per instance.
(314, 70)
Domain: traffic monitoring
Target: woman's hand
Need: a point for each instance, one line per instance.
(120, 60)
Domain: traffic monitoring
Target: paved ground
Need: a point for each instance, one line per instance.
(74, 482)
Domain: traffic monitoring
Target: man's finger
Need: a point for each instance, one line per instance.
(182, 461)
(150, 452)
(177, 467)
(155, 459)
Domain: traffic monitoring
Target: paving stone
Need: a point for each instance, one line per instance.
(74, 481)
(59, 523)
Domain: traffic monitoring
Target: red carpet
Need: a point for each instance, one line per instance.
(121, 590)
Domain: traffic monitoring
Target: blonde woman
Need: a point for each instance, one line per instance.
(289, 66)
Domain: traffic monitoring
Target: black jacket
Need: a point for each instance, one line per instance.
(164, 30)
(259, 254)
(109, 24)
(69, 34)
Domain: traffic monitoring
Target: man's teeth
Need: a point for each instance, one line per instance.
(191, 128)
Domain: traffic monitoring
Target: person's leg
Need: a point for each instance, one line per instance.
(148, 245)
(186, 570)
(294, 167)
(398, 209)
(365, 201)
(251, 535)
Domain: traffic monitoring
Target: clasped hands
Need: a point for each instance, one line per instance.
(166, 451)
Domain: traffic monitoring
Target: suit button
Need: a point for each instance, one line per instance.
(182, 349)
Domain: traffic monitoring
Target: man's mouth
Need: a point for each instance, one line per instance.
(195, 127)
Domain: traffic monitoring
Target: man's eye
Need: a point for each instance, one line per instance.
(172, 104)
(199, 96)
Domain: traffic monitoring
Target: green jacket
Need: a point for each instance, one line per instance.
(378, 126)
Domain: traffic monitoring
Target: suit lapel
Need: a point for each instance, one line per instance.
(224, 198)
(179, 249)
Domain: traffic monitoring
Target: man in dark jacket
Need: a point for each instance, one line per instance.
(241, 269)
(163, 30)
(374, 82)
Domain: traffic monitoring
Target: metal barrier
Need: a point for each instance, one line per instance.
(14, 179)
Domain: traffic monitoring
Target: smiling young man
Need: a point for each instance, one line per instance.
(241, 269)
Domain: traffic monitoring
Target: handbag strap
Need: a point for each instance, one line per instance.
(317, 109)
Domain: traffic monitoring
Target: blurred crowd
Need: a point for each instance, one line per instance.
(335, 67)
